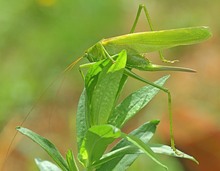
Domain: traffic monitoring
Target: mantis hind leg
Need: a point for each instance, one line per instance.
(144, 8)
(133, 75)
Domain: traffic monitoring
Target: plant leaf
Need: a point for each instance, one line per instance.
(145, 132)
(46, 165)
(132, 104)
(81, 121)
(167, 150)
(106, 90)
(96, 140)
(71, 161)
(47, 146)
(144, 147)
(123, 161)
(108, 159)
(92, 77)
(124, 154)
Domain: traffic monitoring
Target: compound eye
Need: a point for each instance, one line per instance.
(86, 54)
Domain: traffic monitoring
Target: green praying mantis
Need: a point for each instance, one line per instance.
(138, 44)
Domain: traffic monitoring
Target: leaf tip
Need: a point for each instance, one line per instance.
(196, 161)
(18, 128)
(167, 76)
(156, 122)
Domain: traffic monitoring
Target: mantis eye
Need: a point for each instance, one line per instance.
(86, 55)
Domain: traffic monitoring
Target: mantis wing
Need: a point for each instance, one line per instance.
(144, 42)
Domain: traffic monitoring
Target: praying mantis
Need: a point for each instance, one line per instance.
(138, 44)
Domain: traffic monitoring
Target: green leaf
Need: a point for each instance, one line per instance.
(167, 150)
(145, 132)
(90, 84)
(132, 104)
(47, 146)
(46, 165)
(71, 161)
(95, 142)
(100, 136)
(92, 77)
(124, 154)
(144, 147)
(81, 121)
(107, 162)
(106, 90)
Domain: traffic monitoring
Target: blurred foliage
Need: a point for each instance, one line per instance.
(39, 38)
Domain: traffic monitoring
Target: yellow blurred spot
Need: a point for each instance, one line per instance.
(46, 3)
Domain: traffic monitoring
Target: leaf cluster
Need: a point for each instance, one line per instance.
(100, 120)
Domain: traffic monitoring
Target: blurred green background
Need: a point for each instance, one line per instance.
(40, 38)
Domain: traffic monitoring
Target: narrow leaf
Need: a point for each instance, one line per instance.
(111, 157)
(124, 154)
(81, 121)
(92, 77)
(46, 165)
(106, 90)
(123, 161)
(132, 104)
(71, 161)
(47, 146)
(95, 142)
(91, 80)
(144, 147)
(145, 132)
(167, 150)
